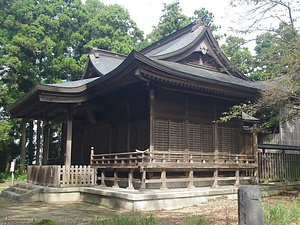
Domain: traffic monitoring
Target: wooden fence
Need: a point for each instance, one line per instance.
(278, 163)
(61, 176)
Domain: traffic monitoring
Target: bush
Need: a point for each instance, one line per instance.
(5, 177)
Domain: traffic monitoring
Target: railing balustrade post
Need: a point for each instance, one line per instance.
(143, 184)
(191, 179)
(130, 178)
(237, 178)
(115, 180)
(216, 174)
(103, 179)
(92, 155)
(163, 178)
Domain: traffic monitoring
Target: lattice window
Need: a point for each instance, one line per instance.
(139, 135)
(119, 138)
(97, 137)
(176, 136)
(161, 135)
(201, 137)
(168, 135)
(229, 140)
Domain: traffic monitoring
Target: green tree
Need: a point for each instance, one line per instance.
(172, 20)
(239, 56)
(46, 41)
(277, 59)
(110, 28)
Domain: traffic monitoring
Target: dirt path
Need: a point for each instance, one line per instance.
(221, 212)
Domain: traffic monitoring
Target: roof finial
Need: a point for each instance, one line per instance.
(198, 23)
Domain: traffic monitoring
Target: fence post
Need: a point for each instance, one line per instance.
(249, 205)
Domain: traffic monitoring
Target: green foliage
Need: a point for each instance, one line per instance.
(44, 222)
(5, 177)
(239, 56)
(126, 220)
(194, 220)
(236, 112)
(47, 41)
(172, 20)
(282, 214)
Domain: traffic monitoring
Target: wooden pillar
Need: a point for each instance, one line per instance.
(255, 151)
(46, 143)
(38, 142)
(69, 140)
(23, 143)
(216, 135)
(151, 120)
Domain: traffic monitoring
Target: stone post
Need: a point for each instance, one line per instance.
(249, 205)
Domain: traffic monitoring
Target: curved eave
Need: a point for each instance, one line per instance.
(35, 101)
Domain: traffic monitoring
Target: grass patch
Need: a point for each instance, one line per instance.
(126, 220)
(194, 220)
(282, 214)
(44, 222)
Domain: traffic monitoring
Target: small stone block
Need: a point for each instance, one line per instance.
(249, 205)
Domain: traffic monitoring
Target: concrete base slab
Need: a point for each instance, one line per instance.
(136, 200)
(145, 200)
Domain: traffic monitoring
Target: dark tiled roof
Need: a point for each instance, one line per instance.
(72, 84)
(177, 44)
(105, 63)
(198, 73)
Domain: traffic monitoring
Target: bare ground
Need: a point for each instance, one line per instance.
(219, 212)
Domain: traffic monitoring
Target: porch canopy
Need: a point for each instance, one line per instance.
(188, 61)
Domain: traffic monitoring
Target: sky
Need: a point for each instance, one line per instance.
(146, 13)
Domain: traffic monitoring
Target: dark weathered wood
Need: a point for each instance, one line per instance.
(46, 144)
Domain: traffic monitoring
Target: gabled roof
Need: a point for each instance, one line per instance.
(168, 62)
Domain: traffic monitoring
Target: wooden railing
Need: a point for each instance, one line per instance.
(61, 176)
(163, 169)
(165, 159)
(278, 163)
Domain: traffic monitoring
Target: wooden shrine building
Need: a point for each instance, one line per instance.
(148, 120)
